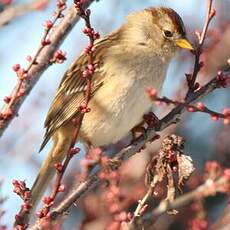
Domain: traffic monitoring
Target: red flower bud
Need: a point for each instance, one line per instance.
(59, 167)
(191, 109)
(61, 188)
(47, 200)
(87, 30)
(86, 73)
(48, 24)
(90, 67)
(16, 67)
(26, 206)
(29, 58)
(200, 106)
(96, 35)
(61, 4)
(152, 93)
(214, 117)
(6, 99)
(74, 151)
(45, 42)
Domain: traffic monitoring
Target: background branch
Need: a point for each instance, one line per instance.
(209, 188)
(13, 11)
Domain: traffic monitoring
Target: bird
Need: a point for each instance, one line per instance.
(132, 58)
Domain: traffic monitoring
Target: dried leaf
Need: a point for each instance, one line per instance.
(161, 167)
(169, 161)
(185, 168)
(155, 170)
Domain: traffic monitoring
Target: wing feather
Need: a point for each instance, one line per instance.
(70, 93)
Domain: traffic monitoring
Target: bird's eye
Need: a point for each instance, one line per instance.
(168, 34)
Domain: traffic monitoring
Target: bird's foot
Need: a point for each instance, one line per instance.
(151, 120)
(138, 131)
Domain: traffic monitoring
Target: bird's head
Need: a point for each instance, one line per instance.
(160, 30)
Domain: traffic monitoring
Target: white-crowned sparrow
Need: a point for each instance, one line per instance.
(132, 58)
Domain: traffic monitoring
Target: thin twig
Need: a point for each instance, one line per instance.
(85, 15)
(141, 207)
(197, 65)
(23, 220)
(200, 107)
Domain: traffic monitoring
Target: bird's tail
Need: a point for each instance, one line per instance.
(44, 177)
(61, 144)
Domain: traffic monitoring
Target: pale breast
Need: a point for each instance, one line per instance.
(122, 101)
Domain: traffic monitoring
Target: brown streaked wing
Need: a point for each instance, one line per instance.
(70, 91)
